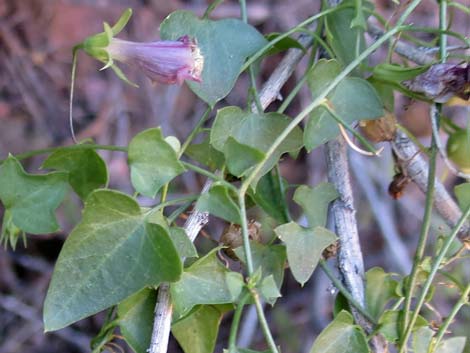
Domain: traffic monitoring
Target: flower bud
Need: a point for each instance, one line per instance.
(162, 61)
(442, 82)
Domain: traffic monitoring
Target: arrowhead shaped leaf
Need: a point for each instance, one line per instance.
(304, 247)
(31, 199)
(225, 45)
(315, 202)
(257, 131)
(204, 282)
(380, 289)
(270, 258)
(341, 336)
(353, 99)
(153, 162)
(87, 170)
(111, 254)
(135, 318)
(218, 202)
(197, 332)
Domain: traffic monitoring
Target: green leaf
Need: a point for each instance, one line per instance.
(315, 201)
(225, 45)
(241, 158)
(135, 318)
(270, 258)
(284, 44)
(346, 42)
(205, 154)
(380, 289)
(254, 130)
(87, 170)
(182, 243)
(204, 282)
(452, 345)
(304, 247)
(389, 321)
(153, 162)
(422, 339)
(31, 199)
(218, 202)
(269, 290)
(395, 73)
(341, 336)
(353, 99)
(462, 192)
(197, 332)
(111, 254)
(270, 197)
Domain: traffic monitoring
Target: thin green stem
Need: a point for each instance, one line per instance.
(434, 268)
(463, 300)
(211, 8)
(251, 70)
(194, 132)
(210, 175)
(34, 153)
(443, 29)
(264, 323)
(343, 123)
(337, 283)
(232, 340)
(423, 237)
(176, 213)
(173, 202)
(245, 235)
(269, 45)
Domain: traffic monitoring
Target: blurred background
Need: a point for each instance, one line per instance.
(36, 40)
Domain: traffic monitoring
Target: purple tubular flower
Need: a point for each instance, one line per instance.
(165, 62)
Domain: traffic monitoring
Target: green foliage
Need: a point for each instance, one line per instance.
(270, 196)
(31, 199)
(205, 154)
(304, 247)
(462, 192)
(389, 324)
(153, 162)
(204, 282)
(341, 336)
(87, 170)
(344, 38)
(197, 332)
(217, 201)
(353, 99)
(135, 318)
(270, 259)
(112, 245)
(257, 131)
(380, 289)
(315, 201)
(225, 44)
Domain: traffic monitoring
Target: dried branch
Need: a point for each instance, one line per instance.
(350, 262)
(417, 170)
